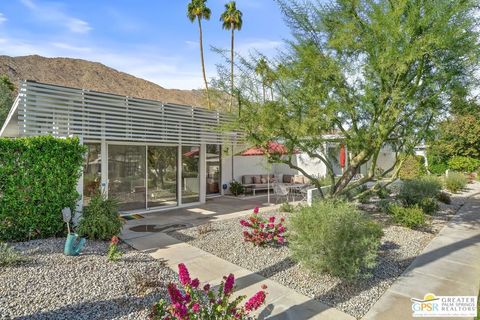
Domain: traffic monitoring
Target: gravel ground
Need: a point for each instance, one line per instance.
(399, 248)
(50, 285)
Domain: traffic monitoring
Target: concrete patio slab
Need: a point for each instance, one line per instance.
(214, 209)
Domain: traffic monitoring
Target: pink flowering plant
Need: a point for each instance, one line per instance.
(263, 231)
(193, 302)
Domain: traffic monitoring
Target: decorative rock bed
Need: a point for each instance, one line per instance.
(399, 248)
(49, 285)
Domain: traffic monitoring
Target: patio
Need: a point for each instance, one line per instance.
(215, 209)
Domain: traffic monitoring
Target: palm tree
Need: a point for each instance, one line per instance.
(261, 70)
(232, 20)
(197, 9)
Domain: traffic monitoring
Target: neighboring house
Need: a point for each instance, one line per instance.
(147, 154)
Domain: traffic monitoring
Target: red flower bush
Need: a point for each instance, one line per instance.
(206, 303)
(263, 231)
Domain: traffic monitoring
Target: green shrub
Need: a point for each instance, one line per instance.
(236, 188)
(383, 192)
(383, 204)
(412, 192)
(412, 168)
(8, 255)
(100, 219)
(364, 197)
(455, 181)
(438, 168)
(410, 217)
(38, 178)
(437, 161)
(333, 236)
(429, 205)
(444, 197)
(287, 207)
(463, 164)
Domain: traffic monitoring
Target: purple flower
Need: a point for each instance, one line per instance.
(245, 223)
(255, 301)
(180, 310)
(183, 274)
(174, 293)
(196, 308)
(228, 288)
(195, 283)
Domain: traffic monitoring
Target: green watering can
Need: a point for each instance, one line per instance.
(74, 243)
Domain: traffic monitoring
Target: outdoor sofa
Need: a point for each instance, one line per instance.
(258, 182)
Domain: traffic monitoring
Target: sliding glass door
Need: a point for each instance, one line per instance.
(213, 169)
(127, 175)
(162, 176)
(190, 174)
(143, 177)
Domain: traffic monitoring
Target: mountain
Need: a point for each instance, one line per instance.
(93, 76)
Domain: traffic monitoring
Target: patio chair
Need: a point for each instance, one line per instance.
(303, 192)
(280, 191)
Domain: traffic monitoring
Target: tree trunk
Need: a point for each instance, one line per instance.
(231, 67)
(203, 63)
(347, 176)
(271, 92)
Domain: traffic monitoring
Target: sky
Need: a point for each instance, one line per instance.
(151, 39)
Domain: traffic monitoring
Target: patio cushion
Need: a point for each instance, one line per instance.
(247, 179)
(298, 179)
(264, 180)
(257, 179)
(287, 178)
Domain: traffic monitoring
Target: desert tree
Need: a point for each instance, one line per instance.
(364, 73)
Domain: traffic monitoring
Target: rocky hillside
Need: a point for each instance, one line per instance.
(91, 75)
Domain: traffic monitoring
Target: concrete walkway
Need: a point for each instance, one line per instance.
(282, 303)
(449, 265)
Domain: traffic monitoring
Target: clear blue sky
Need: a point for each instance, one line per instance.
(150, 39)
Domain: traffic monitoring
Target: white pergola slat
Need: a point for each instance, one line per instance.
(44, 109)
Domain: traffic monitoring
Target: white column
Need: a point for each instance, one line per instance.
(179, 175)
(203, 173)
(104, 167)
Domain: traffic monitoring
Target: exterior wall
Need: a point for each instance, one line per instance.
(386, 158)
(257, 165)
(313, 167)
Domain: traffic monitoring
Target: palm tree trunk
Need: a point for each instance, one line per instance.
(231, 68)
(203, 62)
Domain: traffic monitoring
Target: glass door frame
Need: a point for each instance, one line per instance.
(220, 156)
(146, 145)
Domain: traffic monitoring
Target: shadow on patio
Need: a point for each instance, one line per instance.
(177, 218)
